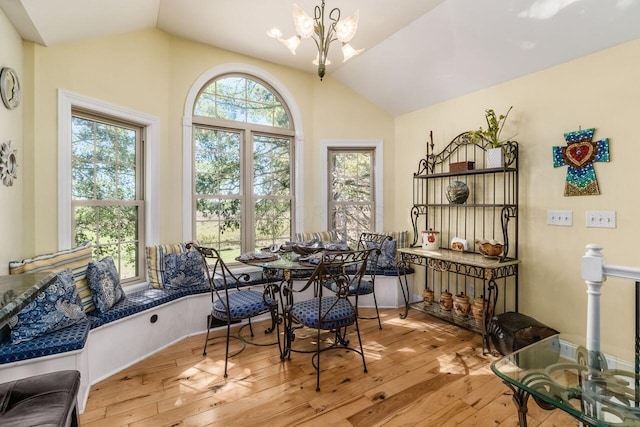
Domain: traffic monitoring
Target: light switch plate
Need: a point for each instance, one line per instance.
(601, 219)
(562, 218)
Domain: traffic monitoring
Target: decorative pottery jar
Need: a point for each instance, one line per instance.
(431, 240)
(457, 192)
(427, 296)
(478, 308)
(461, 306)
(446, 301)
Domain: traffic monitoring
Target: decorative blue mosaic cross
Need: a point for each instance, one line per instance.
(579, 155)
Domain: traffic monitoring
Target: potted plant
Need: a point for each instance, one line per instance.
(494, 156)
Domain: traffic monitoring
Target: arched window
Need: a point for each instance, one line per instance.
(243, 195)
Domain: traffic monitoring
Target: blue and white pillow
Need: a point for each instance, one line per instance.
(104, 282)
(57, 307)
(387, 257)
(183, 269)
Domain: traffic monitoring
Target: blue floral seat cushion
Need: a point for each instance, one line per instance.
(242, 305)
(336, 313)
(56, 308)
(68, 339)
(365, 288)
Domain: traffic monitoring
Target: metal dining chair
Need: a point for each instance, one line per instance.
(368, 283)
(335, 312)
(232, 301)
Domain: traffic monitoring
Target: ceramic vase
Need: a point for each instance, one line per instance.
(457, 192)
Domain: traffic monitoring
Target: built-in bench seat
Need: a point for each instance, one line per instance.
(65, 340)
(74, 337)
(144, 322)
(142, 300)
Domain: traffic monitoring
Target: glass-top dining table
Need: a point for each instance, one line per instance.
(280, 274)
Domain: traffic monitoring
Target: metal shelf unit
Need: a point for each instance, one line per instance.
(490, 212)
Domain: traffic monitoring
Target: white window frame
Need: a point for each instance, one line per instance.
(342, 144)
(187, 139)
(67, 101)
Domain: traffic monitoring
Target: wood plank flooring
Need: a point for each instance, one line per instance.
(421, 372)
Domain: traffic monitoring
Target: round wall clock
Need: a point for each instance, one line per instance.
(10, 88)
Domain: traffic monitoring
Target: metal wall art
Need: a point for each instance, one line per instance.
(579, 155)
(8, 164)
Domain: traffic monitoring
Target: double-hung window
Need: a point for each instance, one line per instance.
(351, 192)
(107, 190)
(243, 166)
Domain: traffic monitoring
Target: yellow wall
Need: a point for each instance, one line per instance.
(11, 198)
(600, 91)
(152, 72)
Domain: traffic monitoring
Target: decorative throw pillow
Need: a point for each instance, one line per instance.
(76, 259)
(104, 282)
(183, 269)
(57, 307)
(387, 256)
(156, 262)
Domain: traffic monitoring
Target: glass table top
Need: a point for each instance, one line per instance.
(599, 389)
(287, 261)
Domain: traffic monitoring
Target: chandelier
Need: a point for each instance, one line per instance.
(323, 35)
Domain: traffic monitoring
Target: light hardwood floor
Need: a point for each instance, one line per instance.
(421, 372)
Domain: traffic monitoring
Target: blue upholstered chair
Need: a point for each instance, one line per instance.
(231, 302)
(367, 285)
(335, 312)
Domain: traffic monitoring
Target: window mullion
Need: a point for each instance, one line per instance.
(248, 192)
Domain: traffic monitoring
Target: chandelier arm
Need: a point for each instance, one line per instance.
(334, 10)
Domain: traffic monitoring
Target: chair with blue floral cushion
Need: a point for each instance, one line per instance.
(231, 302)
(368, 284)
(335, 312)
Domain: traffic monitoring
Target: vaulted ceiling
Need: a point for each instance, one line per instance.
(417, 52)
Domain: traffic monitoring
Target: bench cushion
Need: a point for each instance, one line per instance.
(68, 339)
(139, 301)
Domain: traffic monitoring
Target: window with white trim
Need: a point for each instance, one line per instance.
(351, 191)
(243, 194)
(107, 190)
